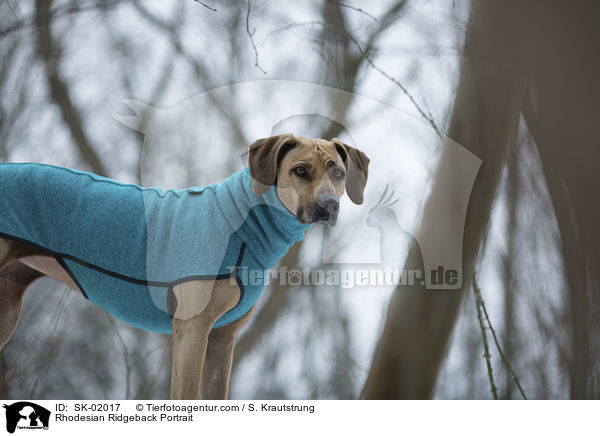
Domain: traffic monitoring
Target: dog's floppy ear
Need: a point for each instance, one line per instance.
(357, 165)
(264, 156)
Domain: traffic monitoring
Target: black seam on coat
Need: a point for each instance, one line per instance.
(73, 277)
(63, 256)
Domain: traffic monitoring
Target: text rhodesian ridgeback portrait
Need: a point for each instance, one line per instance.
(167, 261)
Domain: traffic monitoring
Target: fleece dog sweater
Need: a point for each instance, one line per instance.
(126, 246)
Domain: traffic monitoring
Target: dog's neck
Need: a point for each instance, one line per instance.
(267, 226)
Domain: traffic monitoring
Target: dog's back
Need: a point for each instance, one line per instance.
(79, 214)
(125, 246)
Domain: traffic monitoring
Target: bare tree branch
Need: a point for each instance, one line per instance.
(344, 5)
(509, 369)
(486, 349)
(206, 6)
(251, 36)
(198, 67)
(365, 55)
(427, 115)
(51, 54)
(61, 11)
(387, 20)
(15, 10)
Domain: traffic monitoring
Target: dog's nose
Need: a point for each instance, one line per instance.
(330, 203)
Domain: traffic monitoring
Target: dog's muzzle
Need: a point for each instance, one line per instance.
(329, 206)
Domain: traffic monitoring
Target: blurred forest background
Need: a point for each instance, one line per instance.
(514, 82)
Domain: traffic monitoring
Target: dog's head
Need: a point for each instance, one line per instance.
(311, 174)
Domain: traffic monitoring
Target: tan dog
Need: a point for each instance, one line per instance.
(310, 175)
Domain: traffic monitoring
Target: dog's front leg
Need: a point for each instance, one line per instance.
(200, 303)
(190, 337)
(219, 358)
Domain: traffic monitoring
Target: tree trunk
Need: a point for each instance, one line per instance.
(484, 120)
(562, 114)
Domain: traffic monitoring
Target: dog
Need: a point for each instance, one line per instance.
(168, 261)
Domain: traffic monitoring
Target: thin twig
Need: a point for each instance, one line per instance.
(126, 359)
(395, 81)
(344, 5)
(504, 359)
(15, 10)
(289, 26)
(365, 54)
(205, 5)
(43, 365)
(251, 36)
(486, 349)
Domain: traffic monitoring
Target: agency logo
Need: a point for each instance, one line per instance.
(26, 415)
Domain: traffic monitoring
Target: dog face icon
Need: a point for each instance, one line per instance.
(28, 417)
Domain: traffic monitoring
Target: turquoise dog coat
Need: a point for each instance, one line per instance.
(127, 246)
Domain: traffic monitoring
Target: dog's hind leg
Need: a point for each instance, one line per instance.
(5, 246)
(15, 278)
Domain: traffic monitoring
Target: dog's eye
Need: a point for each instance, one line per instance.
(338, 174)
(300, 171)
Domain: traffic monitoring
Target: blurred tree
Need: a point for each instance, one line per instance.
(512, 65)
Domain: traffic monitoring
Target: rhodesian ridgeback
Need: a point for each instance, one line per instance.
(168, 261)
